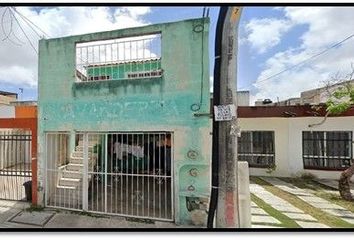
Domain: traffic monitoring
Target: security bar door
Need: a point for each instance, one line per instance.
(130, 174)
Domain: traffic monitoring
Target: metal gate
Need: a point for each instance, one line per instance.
(15, 163)
(122, 173)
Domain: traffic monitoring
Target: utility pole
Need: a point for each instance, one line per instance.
(225, 183)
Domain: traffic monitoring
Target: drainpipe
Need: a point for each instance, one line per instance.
(224, 194)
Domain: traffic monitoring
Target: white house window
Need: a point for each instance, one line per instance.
(327, 150)
(257, 148)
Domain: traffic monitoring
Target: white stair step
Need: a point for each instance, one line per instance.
(74, 167)
(72, 174)
(80, 154)
(76, 159)
(89, 143)
(81, 148)
(77, 154)
(69, 182)
(66, 187)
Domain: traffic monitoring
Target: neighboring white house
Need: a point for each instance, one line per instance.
(281, 136)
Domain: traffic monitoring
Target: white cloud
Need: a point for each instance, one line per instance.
(266, 33)
(21, 61)
(325, 26)
(136, 11)
(17, 74)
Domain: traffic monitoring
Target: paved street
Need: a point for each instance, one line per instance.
(267, 214)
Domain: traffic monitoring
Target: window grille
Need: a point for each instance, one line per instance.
(327, 150)
(257, 148)
(121, 58)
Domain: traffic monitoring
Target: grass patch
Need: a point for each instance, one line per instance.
(319, 190)
(285, 220)
(317, 213)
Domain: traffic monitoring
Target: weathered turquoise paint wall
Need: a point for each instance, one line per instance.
(159, 104)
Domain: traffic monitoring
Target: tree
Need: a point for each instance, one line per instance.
(339, 101)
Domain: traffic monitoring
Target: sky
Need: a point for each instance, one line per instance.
(271, 40)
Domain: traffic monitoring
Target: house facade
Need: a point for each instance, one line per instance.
(288, 141)
(117, 129)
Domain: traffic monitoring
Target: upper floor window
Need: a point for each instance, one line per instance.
(327, 150)
(121, 58)
(257, 148)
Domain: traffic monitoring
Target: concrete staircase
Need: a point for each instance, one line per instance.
(68, 192)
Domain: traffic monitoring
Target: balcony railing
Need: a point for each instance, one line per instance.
(117, 59)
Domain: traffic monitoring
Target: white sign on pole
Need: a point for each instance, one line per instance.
(224, 112)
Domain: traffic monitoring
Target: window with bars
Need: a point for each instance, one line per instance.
(120, 58)
(327, 150)
(257, 148)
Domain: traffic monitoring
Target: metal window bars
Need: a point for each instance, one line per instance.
(257, 148)
(116, 59)
(122, 173)
(15, 163)
(327, 149)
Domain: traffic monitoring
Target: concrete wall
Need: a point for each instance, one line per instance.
(5, 100)
(18, 111)
(288, 142)
(7, 111)
(158, 104)
(26, 111)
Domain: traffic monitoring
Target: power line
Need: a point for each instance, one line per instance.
(306, 60)
(31, 28)
(12, 11)
(29, 23)
(23, 31)
(8, 35)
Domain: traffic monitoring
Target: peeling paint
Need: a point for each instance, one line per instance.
(159, 104)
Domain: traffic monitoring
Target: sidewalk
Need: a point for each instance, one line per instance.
(17, 215)
(300, 202)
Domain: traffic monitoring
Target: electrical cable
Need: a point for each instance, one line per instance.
(7, 37)
(300, 63)
(32, 28)
(25, 34)
(2, 25)
(312, 57)
(29, 22)
(216, 101)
